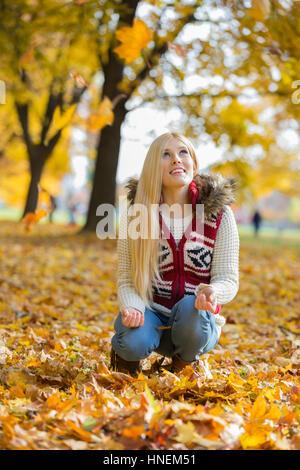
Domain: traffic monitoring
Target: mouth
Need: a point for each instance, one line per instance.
(177, 171)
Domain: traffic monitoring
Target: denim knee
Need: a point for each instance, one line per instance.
(133, 344)
(129, 348)
(194, 331)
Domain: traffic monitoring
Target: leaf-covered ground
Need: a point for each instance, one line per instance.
(58, 303)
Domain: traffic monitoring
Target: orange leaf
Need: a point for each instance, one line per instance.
(103, 117)
(58, 347)
(27, 57)
(54, 400)
(133, 40)
(84, 435)
(289, 418)
(134, 432)
(32, 218)
(79, 80)
(260, 9)
(178, 49)
(16, 391)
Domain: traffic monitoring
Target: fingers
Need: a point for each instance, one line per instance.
(141, 320)
(135, 319)
(132, 318)
(202, 304)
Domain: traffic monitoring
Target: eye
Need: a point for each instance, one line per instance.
(185, 151)
(166, 153)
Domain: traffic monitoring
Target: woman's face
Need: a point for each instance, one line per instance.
(177, 164)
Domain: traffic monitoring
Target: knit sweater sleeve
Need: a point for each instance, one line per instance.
(127, 295)
(225, 262)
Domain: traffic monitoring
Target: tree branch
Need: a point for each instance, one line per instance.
(53, 102)
(158, 51)
(77, 94)
(52, 142)
(204, 94)
(22, 111)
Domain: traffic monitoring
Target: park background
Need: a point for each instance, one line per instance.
(85, 87)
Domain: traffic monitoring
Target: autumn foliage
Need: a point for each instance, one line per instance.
(58, 302)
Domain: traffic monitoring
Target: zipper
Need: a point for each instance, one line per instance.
(178, 266)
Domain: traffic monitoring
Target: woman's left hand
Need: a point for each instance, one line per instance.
(206, 299)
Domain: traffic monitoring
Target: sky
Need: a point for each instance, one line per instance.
(142, 126)
(136, 139)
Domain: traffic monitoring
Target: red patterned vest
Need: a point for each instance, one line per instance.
(185, 266)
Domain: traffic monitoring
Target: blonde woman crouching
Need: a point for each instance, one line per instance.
(181, 277)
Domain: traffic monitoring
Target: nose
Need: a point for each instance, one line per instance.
(176, 158)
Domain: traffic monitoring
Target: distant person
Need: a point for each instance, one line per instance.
(54, 206)
(280, 227)
(256, 220)
(72, 211)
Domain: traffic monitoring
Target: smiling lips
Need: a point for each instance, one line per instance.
(177, 171)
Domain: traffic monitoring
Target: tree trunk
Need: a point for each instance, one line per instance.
(104, 182)
(37, 163)
(39, 153)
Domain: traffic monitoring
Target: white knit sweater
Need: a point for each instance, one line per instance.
(224, 266)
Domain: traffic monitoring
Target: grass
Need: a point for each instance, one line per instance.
(269, 236)
(59, 217)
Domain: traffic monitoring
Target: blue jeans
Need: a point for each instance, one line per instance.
(193, 333)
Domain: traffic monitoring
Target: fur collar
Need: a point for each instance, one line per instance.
(214, 191)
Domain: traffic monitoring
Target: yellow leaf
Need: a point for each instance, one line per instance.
(236, 381)
(155, 406)
(259, 407)
(186, 433)
(32, 362)
(170, 422)
(253, 441)
(269, 394)
(273, 413)
(61, 120)
(81, 327)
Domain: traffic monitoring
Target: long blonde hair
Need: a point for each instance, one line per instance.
(144, 250)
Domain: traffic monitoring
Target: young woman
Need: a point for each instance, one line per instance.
(180, 277)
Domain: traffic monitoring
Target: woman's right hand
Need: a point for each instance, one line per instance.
(132, 318)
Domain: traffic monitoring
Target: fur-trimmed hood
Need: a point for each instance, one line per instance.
(214, 191)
